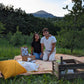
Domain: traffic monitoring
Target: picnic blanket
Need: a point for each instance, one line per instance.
(48, 65)
(65, 56)
(44, 66)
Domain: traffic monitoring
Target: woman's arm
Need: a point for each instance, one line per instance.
(31, 50)
(42, 46)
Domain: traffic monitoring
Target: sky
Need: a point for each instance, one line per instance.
(54, 7)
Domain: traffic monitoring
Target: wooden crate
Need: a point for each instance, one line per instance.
(61, 70)
(24, 58)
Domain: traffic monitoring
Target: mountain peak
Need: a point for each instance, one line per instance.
(43, 14)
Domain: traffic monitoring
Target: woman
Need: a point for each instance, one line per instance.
(36, 46)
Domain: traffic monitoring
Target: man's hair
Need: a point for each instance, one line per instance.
(45, 29)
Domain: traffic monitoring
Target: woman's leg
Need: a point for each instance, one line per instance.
(37, 56)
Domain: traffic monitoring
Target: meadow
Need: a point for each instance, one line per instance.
(8, 51)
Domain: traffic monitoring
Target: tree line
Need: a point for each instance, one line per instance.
(11, 18)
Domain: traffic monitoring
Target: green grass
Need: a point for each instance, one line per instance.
(39, 79)
(7, 51)
(76, 52)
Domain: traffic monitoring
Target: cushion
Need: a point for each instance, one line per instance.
(10, 68)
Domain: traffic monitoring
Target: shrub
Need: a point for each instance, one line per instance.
(17, 39)
(9, 35)
(29, 39)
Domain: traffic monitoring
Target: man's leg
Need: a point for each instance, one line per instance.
(45, 56)
(52, 56)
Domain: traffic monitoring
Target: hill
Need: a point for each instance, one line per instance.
(43, 14)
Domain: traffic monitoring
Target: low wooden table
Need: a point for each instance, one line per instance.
(61, 70)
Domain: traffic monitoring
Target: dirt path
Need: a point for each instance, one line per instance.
(69, 57)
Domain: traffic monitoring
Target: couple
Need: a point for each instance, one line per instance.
(48, 41)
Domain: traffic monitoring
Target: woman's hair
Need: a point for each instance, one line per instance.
(34, 37)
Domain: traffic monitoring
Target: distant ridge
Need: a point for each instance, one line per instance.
(43, 14)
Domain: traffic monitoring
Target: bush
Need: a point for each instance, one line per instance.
(29, 39)
(9, 36)
(17, 39)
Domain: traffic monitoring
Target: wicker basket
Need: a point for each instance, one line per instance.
(24, 58)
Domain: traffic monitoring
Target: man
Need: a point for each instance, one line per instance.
(49, 42)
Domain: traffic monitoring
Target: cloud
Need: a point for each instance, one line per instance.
(67, 2)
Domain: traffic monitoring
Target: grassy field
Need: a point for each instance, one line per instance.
(76, 52)
(32, 79)
(7, 51)
(39, 79)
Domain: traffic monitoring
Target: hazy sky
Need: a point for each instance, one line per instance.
(30, 6)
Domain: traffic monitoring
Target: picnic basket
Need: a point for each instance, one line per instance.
(25, 55)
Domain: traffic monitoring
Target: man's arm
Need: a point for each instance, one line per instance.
(53, 46)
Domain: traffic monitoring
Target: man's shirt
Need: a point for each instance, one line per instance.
(48, 42)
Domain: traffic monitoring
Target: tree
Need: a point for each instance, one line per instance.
(81, 39)
(27, 22)
(75, 13)
(66, 39)
(70, 35)
(17, 39)
(2, 28)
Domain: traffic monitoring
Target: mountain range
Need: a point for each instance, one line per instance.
(43, 14)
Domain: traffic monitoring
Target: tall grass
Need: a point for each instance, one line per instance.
(39, 79)
(76, 52)
(7, 50)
